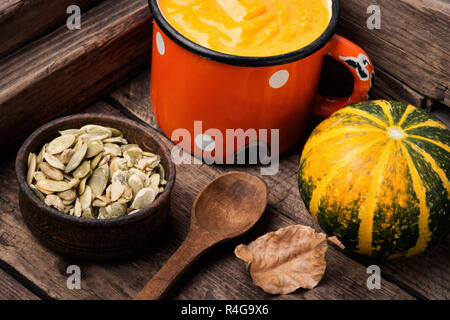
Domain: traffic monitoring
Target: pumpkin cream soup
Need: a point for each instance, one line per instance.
(248, 27)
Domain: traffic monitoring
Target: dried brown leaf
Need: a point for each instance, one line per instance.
(280, 262)
(334, 240)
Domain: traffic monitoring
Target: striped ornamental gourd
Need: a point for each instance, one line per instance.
(376, 175)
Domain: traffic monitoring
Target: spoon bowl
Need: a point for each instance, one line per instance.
(226, 208)
(230, 204)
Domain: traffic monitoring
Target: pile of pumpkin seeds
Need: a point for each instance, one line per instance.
(94, 173)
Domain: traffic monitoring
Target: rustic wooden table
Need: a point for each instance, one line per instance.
(28, 270)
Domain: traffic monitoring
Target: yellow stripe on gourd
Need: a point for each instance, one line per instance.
(323, 183)
(363, 114)
(428, 158)
(408, 111)
(439, 144)
(424, 215)
(367, 208)
(428, 123)
(330, 134)
(386, 106)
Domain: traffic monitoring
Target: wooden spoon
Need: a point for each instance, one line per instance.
(226, 208)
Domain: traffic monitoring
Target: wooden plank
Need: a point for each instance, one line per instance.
(67, 70)
(428, 278)
(217, 275)
(23, 21)
(10, 289)
(412, 44)
(387, 87)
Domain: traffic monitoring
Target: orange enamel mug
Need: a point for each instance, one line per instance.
(198, 94)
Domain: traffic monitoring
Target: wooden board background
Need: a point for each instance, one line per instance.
(23, 21)
(29, 270)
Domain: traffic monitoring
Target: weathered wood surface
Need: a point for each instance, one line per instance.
(216, 275)
(67, 70)
(22, 21)
(10, 289)
(411, 48)
(417, 274)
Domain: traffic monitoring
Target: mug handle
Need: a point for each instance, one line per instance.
(356, 60)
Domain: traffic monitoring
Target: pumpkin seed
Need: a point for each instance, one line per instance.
(105, 159)
(76, 159)
(40, 156)
(44, 191)
(75, 132)
(32, 160)
(133, 212)
(56, 186)
(99, 179)
(108, 192)
(54, 201)
(148, 154)
(77, 208)
(29, 158)
(54, 161)
(112, 149)
(82, 185)
(68, 195)
(162, 172)
(154, 181)
(86, 198)
(119, 176)
(128, 146)
(132, 155)
(71, 211)
(66, 155)
(95, 162)
(145, 178)
(60, 144)
(116, 210)
(102, 213)
(116, 132)
(99, 203)
(118, 140)
(68, 202)
(127, 195)
(88, 213)
(51, 172)
(83, 170)
(117, 164)
(147, 162)
(97, 132)
(38, 175)
(117, 190)
(94, 148)
(106, 199)
(37, 192)
(144, 198)
(136, 183)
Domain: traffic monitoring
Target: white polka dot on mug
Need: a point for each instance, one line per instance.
(160, 44)
(279, 79)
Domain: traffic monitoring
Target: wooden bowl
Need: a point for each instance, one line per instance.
(93, 239)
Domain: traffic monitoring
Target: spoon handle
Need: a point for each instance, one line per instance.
(194, 245)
